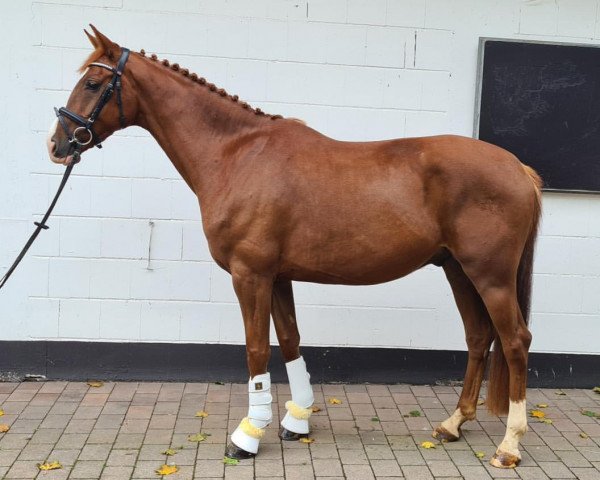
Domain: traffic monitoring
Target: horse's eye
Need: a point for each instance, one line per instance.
(92, 85)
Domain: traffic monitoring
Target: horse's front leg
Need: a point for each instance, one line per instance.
(254, 294)
(295, 423)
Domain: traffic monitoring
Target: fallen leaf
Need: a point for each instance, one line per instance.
(230, 461)
(1, 412)
(584, 435)
(596, 389)
(167, 469)
(375, 419)
(589, 413)
(428, 445)
(414, 413)
(199, 437)
(547, 421)
(537, 414)
(479, 454)
(315, 409)
(169, 451)
(219, 383)
(481, 401)
(202, 414)
(541, 405)
(95, 384)
(559, 392)
(334, 401)
(306, 440)
(4, 428)
(49, 466)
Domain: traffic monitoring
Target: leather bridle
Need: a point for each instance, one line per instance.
(87, 124)
(75, 145)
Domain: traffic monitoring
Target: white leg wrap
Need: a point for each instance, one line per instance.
(302, 397)
(247, 435)
(516, 427)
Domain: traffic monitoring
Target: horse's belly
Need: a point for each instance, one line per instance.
(358, 264)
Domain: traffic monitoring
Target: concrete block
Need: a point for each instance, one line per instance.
(433, 49)
(79, 319)
(69, 278)
(367, 12)
(110, 197)
(539, 18)
(122, 238)
(227, 37)
(386, 46)
(166, 240)
(406, 13)
(80, 237)
(334, 11)
(267, 39)
(42, 321)
(160, 321)
(120, 320)
(201, 322)
(151, 198)
(110, 278)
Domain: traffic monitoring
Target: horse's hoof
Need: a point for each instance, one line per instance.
(444, 435)
(504, 460)
(233, 451)
(289, 436)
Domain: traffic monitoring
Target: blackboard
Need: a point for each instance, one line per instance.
(541, 101)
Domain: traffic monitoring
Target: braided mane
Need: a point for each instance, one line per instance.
(211, 86)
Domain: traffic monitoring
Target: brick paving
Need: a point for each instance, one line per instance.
(119, 431)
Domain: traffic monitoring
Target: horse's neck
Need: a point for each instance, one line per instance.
(191, 123)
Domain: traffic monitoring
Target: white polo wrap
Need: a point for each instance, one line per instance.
(298, 410)
(248, 434)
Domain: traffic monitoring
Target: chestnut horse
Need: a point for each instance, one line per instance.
(281, 202)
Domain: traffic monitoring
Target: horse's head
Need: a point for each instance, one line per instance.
(101, 102)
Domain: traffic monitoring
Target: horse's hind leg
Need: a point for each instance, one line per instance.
(295, 423)
(479, 334)
(496, 282)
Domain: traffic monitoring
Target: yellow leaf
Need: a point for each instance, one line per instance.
(481, 401)
(537, 414)
(584, 435)
(202, 414)
(169, 451)
(95, 384)
(167, 469)
(547, 421)
(479, 454)
(4, 428)
(315, 409)
(306, 440)
(541, 405)
(596, 389)
(230, 461)
(199, 437)
(49, 466)
(428, 445)
(1, 412)
(334, 401)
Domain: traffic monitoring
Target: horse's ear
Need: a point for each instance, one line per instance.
(91, 38)
(111, 49)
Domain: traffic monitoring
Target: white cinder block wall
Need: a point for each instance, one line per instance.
(125, 258)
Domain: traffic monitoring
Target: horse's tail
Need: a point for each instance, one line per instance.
(498, 398)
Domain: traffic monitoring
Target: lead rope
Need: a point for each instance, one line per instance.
(42, 225)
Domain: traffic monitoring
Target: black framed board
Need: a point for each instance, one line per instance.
(541, 101)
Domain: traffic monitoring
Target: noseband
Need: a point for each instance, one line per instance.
(87, 125)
